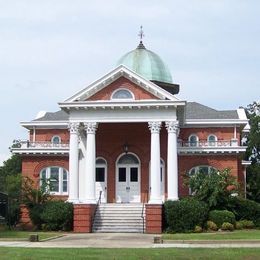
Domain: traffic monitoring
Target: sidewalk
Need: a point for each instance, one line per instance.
(127, 240)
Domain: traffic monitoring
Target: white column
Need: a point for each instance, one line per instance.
(90, 160)
(74, 163)
(172, 160)
(155, 192)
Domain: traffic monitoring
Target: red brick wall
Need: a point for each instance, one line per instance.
(153, 219)
(110, 145)
(32, 165)
(219, 162)
(110, 139)
(105, 94)
(47, 134)
(83, 218)
(222, 133)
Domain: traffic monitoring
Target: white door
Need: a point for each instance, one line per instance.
(128, 179)
(101, 180)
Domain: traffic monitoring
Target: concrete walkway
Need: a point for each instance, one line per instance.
(125, 240)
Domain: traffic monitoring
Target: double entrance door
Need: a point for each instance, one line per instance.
(128, 183)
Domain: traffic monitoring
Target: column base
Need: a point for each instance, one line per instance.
(74, 201)
(153, 218)
(155, 201)
(83, 217)
(172, 198)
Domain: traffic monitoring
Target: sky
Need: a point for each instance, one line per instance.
(51, 49)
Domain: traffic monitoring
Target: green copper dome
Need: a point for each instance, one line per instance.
(147, 64)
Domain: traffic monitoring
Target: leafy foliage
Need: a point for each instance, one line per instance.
(10, 183)
(245, 209)
(253, 152)
(216, 188)
(34, 199)
(11, 167)
(227, 226)
(221, 216)
(57, 215)
(211, 226)
(185, 214)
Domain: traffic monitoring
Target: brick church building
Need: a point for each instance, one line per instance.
(120, 147)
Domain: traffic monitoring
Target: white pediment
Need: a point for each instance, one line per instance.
(121, 71)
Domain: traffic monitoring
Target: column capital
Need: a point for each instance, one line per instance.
(155, 127)
(90, 127)
(73, 128)
(172, 126)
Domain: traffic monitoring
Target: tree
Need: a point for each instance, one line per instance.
(253, 152)
(11, 167)
(216, 188)
(10, 183)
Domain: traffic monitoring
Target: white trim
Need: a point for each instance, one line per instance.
(211, 150)
(209, 122)
(60, 182)
(122, 99)
(102, 165)
(196, 142)
(128, 166)
(113, 75)
(55, 136)
(212, 143)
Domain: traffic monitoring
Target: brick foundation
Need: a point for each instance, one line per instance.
(25, 221)
(83, 217)
(153, 219)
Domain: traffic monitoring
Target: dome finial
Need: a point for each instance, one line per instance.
(141, 35)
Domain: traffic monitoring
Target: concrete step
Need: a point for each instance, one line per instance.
(119, 218)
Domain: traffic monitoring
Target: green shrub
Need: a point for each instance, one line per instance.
(211, 226)
(227, 226)
(57, 215)
(197, 229)
(185, 214)
(246, 224)
(239, 225)
(246, 209)
(35, 215)
(221, 216)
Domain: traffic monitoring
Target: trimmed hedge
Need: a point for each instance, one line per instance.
(221, 216)
(185, 214)
(57, 215)
(246, 210)
(227, 226)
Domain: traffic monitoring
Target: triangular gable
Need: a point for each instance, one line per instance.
(121, 71)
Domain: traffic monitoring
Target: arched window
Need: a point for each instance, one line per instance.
(56, 139)
(205, 169)
(212, 140)
(122, 94)
(128, 159)
(55, 179)
(193, 140)
(101, 165)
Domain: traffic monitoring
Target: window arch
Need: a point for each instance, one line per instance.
(122, 94)
(212, 140)
(206, 169)
(193, 140)
(56, 139)
(201, 168)
(101, 166)
(128, 159)
(56, 179)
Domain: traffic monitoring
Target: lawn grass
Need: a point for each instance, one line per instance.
(237, 234)
(148, 253)
(12, 235)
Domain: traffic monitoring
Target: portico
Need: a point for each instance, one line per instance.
(135, 176)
